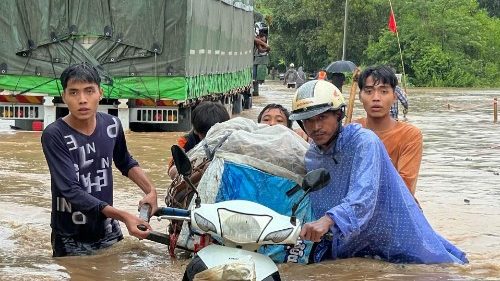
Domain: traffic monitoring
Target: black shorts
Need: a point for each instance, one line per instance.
(69, 246)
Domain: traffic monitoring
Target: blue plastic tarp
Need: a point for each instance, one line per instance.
(244, 182)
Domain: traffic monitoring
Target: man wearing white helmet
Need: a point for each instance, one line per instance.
(366, 205)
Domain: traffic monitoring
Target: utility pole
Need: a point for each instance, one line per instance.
(345, 30)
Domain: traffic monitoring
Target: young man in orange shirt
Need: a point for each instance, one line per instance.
(403, 141)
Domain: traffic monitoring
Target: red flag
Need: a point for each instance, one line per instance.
(392, 23)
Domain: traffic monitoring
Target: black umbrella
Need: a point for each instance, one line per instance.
(340, 66)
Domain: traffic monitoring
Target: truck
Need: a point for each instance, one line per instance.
(157, 58)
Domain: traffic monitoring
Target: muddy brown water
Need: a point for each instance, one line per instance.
(458, 189)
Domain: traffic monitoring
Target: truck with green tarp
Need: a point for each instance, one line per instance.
(157, 58)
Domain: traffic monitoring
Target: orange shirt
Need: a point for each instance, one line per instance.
(404, 145)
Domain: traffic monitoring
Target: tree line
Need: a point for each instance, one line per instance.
(444, 43)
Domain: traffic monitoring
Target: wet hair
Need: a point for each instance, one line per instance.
(277, 106)
(82, 72)
(206, 114)
(380, 74)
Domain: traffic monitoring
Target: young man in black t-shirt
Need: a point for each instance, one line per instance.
(80, 149)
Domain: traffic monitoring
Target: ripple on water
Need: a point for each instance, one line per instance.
(461, 152)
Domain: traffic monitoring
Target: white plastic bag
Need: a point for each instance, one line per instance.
(242, 270)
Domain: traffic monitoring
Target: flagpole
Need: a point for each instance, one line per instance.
(345, 29)
(400, 52)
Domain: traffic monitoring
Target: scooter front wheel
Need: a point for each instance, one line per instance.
(197, 265)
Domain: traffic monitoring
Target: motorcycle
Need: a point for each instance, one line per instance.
(236, 228)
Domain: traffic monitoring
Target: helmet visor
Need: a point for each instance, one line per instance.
(311, 112)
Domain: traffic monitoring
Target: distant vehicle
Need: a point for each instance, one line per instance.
(282, 76)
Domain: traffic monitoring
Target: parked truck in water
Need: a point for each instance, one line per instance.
(157, 58)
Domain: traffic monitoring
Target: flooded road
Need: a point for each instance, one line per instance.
(458, 189)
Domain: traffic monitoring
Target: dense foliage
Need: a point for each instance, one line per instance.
(444, 43)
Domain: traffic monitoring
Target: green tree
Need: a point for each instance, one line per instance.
(444, 43)
(492, 6)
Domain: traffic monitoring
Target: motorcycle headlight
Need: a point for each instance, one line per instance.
(278, 236)
(242, 228)
(204, 224)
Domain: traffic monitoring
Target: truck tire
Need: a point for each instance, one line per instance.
(255, 88)
(247, 101)
(238, 104)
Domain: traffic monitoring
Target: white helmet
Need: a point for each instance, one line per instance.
(315, 97)
(292, 65)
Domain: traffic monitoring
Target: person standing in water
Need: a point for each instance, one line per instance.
(403, 141)
(366, 205)
(80, 149)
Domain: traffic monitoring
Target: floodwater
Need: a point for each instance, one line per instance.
(457, 188)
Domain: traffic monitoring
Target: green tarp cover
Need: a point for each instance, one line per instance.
(167, 49)
(142, 87)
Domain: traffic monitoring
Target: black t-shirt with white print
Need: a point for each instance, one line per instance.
(81, 178)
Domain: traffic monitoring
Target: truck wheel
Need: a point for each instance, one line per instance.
(247, 101)
(238, 104)
(195, 266)
(255, 88)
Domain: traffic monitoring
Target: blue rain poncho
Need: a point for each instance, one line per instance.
(374, 213)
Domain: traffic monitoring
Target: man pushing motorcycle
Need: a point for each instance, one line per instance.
(366, 205)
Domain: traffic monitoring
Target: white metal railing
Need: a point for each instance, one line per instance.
(154, 115)
(21, 111)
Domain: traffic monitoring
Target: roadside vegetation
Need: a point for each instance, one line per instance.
(444, 43)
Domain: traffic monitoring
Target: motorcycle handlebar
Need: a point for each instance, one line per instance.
(328, 236)
(144, 214)
(168, 211)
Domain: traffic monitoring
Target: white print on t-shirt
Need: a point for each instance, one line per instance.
(113, 129)
(84, 163)
(93, 180)
(62, 205)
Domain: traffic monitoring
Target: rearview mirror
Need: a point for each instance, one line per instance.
(316, 180)
(313, 181)
(181, 160)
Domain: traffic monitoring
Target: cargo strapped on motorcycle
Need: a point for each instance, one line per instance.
(179, 193)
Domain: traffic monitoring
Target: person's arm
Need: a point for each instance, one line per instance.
(408, 164)
(313, 231)
(130, 221)
(137, 175)
(263, 46)
(130, 168)
(64, 177)
(356, 209)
